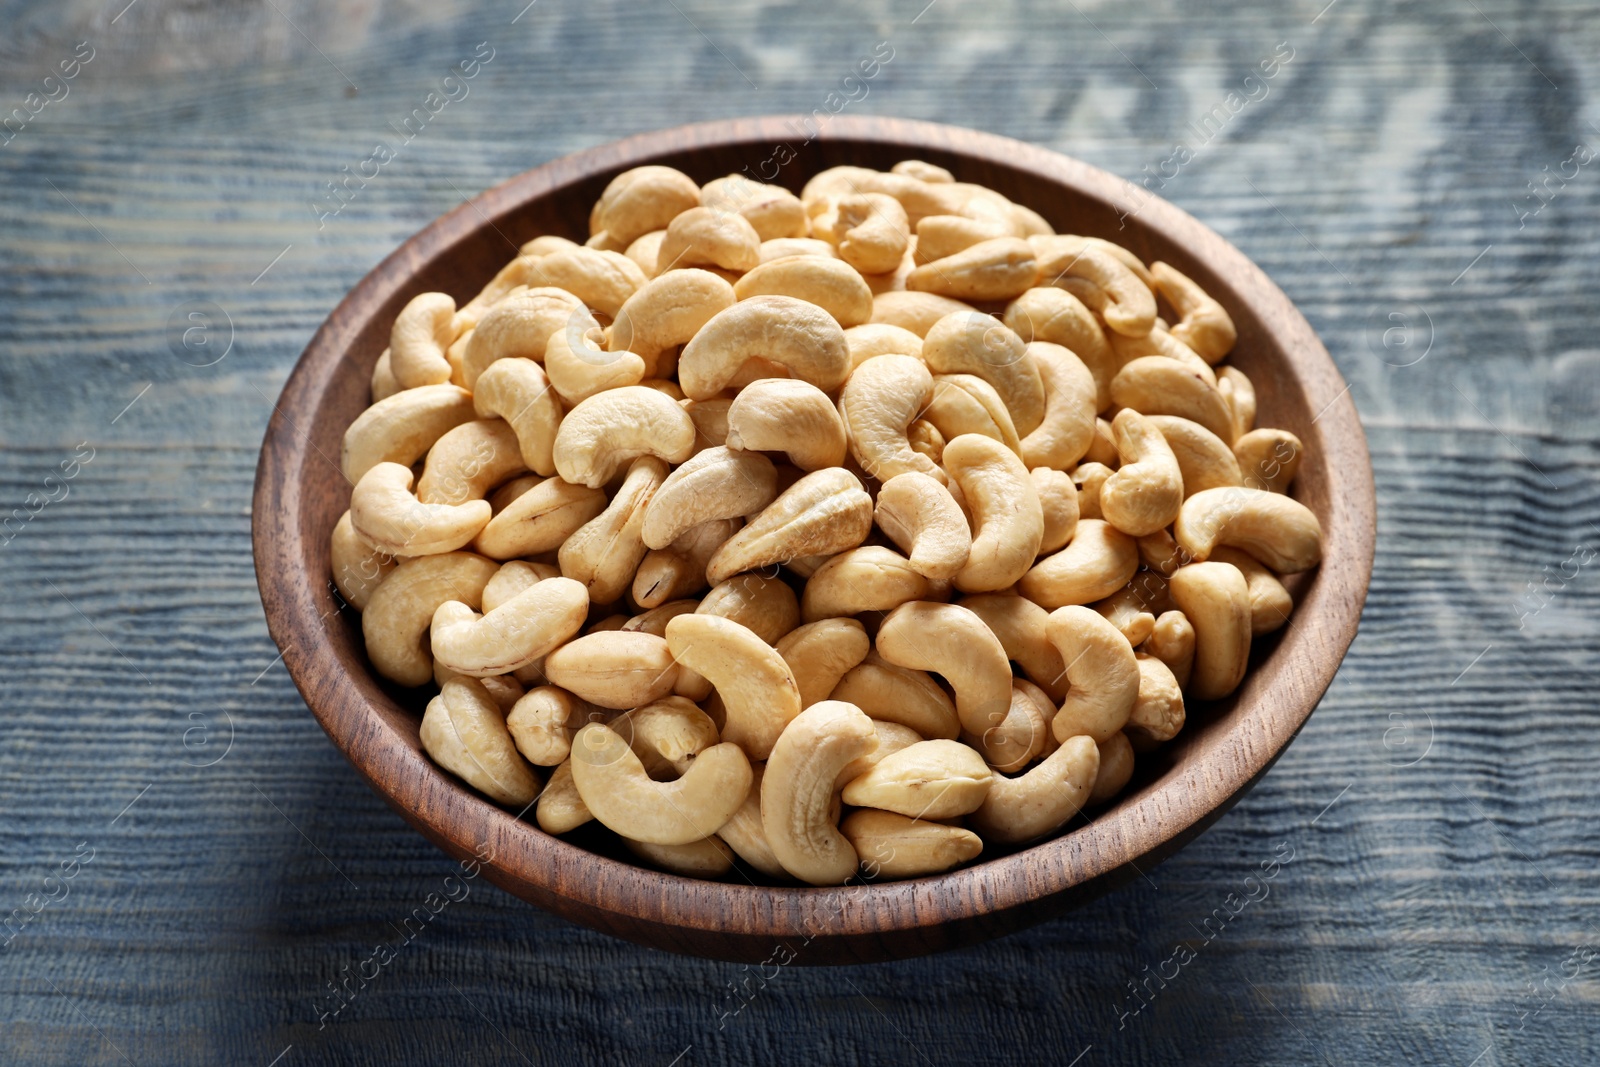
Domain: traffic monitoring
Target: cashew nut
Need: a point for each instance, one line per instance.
(1000, 268)
(398, 614)
(1157, 385)
(1022, 809)
(613, 668)
(465, 733)
(1276, 529)
(1008, 523)
(1204, 461)
(1172, 642)
(613, 784)
(929, 780)
(939, 236)
(513, 635)
(542, 723)
(799, 336)
(560, 808)
(1116, 768)
(1269, 459)
(1058, 502)
(774, 211)
(422, 331)
(861, 580)
(717, 483)
(383, 383)
(521, 325)
(797, 791)
(518, 391)
(1240, 395)
(359, 566)
(539, 520)
(822, 513)
(788, 416)
(710, 857)
(640, 200)
(605, 552)
(1063, 436)
(1020, 737)
(764, 604)
(1101, 669)
(1055, 316)
(1215, 598)
(914, 312)
(680, 568)
(881, 339)
(1270, 602)
(757, 688)
(1144, 493)
(1158, 712)
(579, 368)
(1021, 626)
(919, 515)
(894, 846)
(1103, 282)
(965, 403)
(401, 428)
(784, 247)
(617, 426)
(667, 311)
(831, 284)
(879, 402)
(744, 834)
(822, 652)
(1203, 325)
(1099, 560)
(871, 232)
(384, 513)
(702, 237)
(954, 642)
(900, 695)
(973, 343)
(468, 461)
(602, 280)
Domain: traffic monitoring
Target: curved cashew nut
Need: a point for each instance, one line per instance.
(1001, 268)
(544, 245)
(767, 606)
(1133, 608)
(401, 428)
(922, 170)
(1061, 243)
(774, 211)
(613, 784)
(468, 461)
(914, 312)
(1268, 459)
(1070, 401)
(831, 284)
(1270, 602)
(1008, 522)
(716, 483)
(939, 236)
(860, 580)
(879, 403)
(1099, 560)
(871, 231)
(1021, 626)
(822, 652)
(821, 514)
(965, 403)
(465, 734)
(680, 569)
(668, 311)
(1102, 670)
(789, 416)
(602, 280)
(645, 252)
(1158, 342)
(560, 808)
(954, 642)
(1116, 768)
(1203, 325)
(386, 514)
(640, 200)
(1058, 502)
(910, 698)
(605, 552)
(1089, 478)
(654, 620)
(1055, 316)
(359, 566)
(1172, 642)
(801, 337)
(400, 611)
(1158, 712)
(710, 857)
(524, 628)
(542, 723)
(1204, 460)
(579, 368)
(1278, 530)
(1144, 493)
(784, 247)
(756, 685)
(919, 514)
(422, 331)
(521, 325)
(666, 734)
(893, 846)
(614, 668)
(618, 426)
(1040, 802)
(928, 780)
(517, 391)
(797, 791)
(384, 384)
(1157, 385)
(744, 834)
(703, 237)
(974, 343)
(1104, 284)
(881, 339)
(1240, 394)
(539, 520)
(1215, 598)
(1021, 736)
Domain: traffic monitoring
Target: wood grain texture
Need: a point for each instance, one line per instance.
(1428, 911)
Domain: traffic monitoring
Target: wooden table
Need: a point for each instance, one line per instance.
(193, 864)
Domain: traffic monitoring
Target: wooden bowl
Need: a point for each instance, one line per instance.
(1176, 793)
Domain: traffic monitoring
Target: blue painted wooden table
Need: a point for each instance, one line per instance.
(188, 867)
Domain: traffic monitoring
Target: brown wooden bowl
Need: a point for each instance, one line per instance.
(1176, 793)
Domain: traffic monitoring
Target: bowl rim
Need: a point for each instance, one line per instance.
(1098, 853)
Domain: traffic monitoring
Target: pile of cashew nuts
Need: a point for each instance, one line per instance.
(837, 535)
